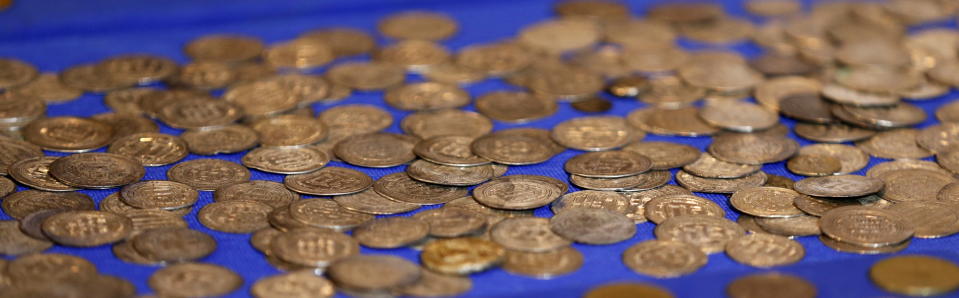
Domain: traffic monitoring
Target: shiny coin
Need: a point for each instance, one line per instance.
(290, 131)
(712, 185)
(664, 259)
(516, 107)
(194, 280)
(96, 170)
(915, 275)
(325, 213)
(429, 172)
(208, 174)
(609, 164)
(239, 216)
(378, 150)
(753, 149)
(839, 186)
(665, 155)
(268, 192)
(298, 284)
(365, 76)
(765, 284)
(512, 149)
(592, 105)
(519, 192)
(391, 273)
(707, 166)
(355, 119)
(391, 232)
(87, 228)
(150, 149)
(447, 122)
(814, 165)
(14, 242)
(709, 233)
(173, 244)
(543, 265)
(262, 98)
(329, 181)
(220, 140)
(864, 226)
(528, 234)
(929, 219)
(280, 219)
(902, 164)
(34, 172)
(370, 202)
(427, 96)
(638, 199)
(594, 133)
(894, 144)
(449, 150)
(764, 250)
(159, 194)
(20, 204)
(913, 184)
(766, 202)
(625, 290)
(68, 134)
(285, 160)
(459, 256)
(662, 208)
(452, 222)
(593, 226)
(400, 187)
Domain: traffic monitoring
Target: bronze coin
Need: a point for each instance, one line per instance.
(208, 174)
(34, 172)
(377, 150)
(159, 194)
(194, 280)
(268, 192)
(87, 228)
(96, 170)
(326, 213)
(400, 187)
(150, 149)
(20, 204)
(173, 244)
(68, 134)
(12, 151)
(285, 160)
(235, 216)
(329, 181)
(14, 241)
(220, 140)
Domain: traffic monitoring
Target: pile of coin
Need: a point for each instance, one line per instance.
(844, 74)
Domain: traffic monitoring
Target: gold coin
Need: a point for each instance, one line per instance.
(916, 275)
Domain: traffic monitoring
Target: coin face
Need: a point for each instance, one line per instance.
(591, 199)
(420, 25)
(913, 184)
(851, 159)
(594, 133)
(593, 226)
(293, 284)
(448, 150)
(518, 193)
(237, 216)
(393, 272)
(325, 213)
(832, 133)
(814, 165)
(173, 244)
(217, 140)
(68, 134)
(929, 219)
(391, 232)
(839, 186)
(400, 187)
(516, 107)
(259, 98)
(159, 194)
(329, 181)
(764, 250)
(865, 226)
(370, 202)
(290, 131)
(16, 72)
(435, 284)
(711, 185)
(377, 150)
(313, 247)
(452, 222)
(543, 265)
(208, 174)
(753, 149)
(738, 116)
(530, 234)
(894, 144)
(268, 192)
(898, 275)
(709, 233)
(511, 149)
(16, 242)
(609, 164)
(458, 256)
(87, 228)
(762, 284)
(663, 259)
(707, 166)
(447, 122)
(194, 279)
(285, 160)
(803, 225)
(199, 113)
(35, 173)
(427, 96)
(366, 76)
(425, 171)
(624, 289)
(766, 202)
(664, 207)
(151, 149)
(665, 155)
(96, 170)
(49, 267)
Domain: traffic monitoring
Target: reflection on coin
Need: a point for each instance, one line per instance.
(68, 134)
(268, 192)
(391, 273)
(776, 284)
(426, 96)
(529, 234)
(865, 226)
(663, 259)
(285, 160)
(665, 155)
(459, 256)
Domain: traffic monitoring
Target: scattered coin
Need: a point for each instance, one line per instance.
(707, 166)
(814, 165)
(377, 150)
(661, 208)
(268, 192)
(325, 213)
(14, 242)
(593, 226)
(543, 265)
(512, 149)
(665, 155)
(324, 246)
(159, 194)
(220, 140)
(298, 284)
(429, 172)
(150, 149)
(840, 186)
(237, 216)
(87, 228)
(460, 256)
(329, 181)
(624, 290)
(194, 280)
(764, 250)
(766, 202)
(96, 170)
(434, 284)
(33, 172)
(864, 226)
(285, 160)
(929, 219)
(528, 234)
(594, 133)
(803, 225)
(915, 275)
(68, 134)
(207, 174)
(763, 284)
(738, 116)
(894, 144)
(832, 133)
(449, 150)
(664, 259)
(709, 233)
(851, 158)
(446, 122)
(752, 149)
(173, 244)
(519, 192)
(452, 222)
(391, 232)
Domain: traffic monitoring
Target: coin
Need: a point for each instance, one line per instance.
(515, 107)
(298, 54)
(208, 174)
(938, 138)
(814, 165)
(329, 181)
(392, 273)
(194, 279)
(595, 133)
(325, 213)
(355, 119)
(199, 113)
(366, 76)
(14, 242)
(894, 144)
(764, 250)
(378, 150)
(543, 265)
(832, 133)
(752, 149)
(949, 160)
(86, 228)
(426, 96)
(864, 226)
(324, 246)
(127, 124)
(712, 185)
(648, 180)
(20, 204)
(236, 216)
(262, 98)
(738, 116)
(290, 131)
(285, 160)
(448, 150)
(517, 192)
(91, 77)
(34, 172)
(851, 158)
(400, 187)
(370, 202)
(625, 290)
(391, 232)
(68, 134)
(913, 184)
(173, 244)
(707, 166)
(591, 199)
(512, 149)
(839, 186)
(493, 216)
(459, 256)
(665, 155)
(900, 275)
(664, 259)
(764, 284)
(268, 192)
(429, 172)
(766, 202)
(664, 207)
(803, 225)
(6, 187)
(48, 88)
(527, 234)
(299, 284)
(49, 266)
(217, 140)
(593, 226)
(608, 164)
(495, 59)
(15, 73)
(150, 149)
(452, 222)
(420, 25)
(447, 122)
(159, 194)
(709, 233)
(929, 219)
(96, 170)
(12, 151)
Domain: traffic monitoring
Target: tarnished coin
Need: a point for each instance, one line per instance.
(738, 116)
(528, 234)
(281, 219)
(20, 204)
(913, 185)
(841, 186)
(591, 199)
(344, 41)
(148, 219)
(301, 54)
(173, 244)
(329, 181)
(803, 225)
(896, 116)
(495, 59)
(33, 172)
(764, 250)
(709, 233)
(391, 273)
(593, 226)
(325, 213)
(819, 206)
(268, 192)
(261, 98)
(516, 107)
(851, 158)
(915, 275)
(713, 185)
(366, 76)
(113, 203)
(559, 36)
(859, 249)
(865, 226)
(91, 77)
(766, 202)
(949, 193)
(199, 113)
(460, 256)
(664, 259)
(894, 144)
(543, 265)
(940, 137)
(493, 216)
(434, 285)
(126, 253)
(48, 88)
(217, 140)
(12, 151)
(447, 122)
(391, 232)
(832, 133)
(151, 149)
(429, 172)
(594, 133)
(87, 228)
(138, 68)
(648, 180)
(426, 96)
(929, 219)
(948, 112)
(665, 155)
(608, 164)
(400, 187)
(285, 160)
(752, 149)
(707, 166)
(49, 266)
(814, 165)
(512, 149)
(207, 173)
(194, 280)
(261, 240)
(370, 202)
(14, 242)
(297, 284)
(519, 192)
(638, 199)
(627, 289)
(452, 222)
(68, 134)
(902, 164)
(664, 207)
(15, 73)
(453, 73)
(422, 25)
(949, 160)
(355, 119)
(7, 187)
(776, 284)
(377, 150)
(237, 216)
(159, 194)
(684, 121)
(96, 170)
(592, 105)
(449, 150)
(203, 75)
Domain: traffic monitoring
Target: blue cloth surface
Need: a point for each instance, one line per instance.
(55, 34)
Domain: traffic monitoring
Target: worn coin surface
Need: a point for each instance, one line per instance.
(391, 272)
(12, 151)
(664, 207)
(543, 265)
(329, 181)
(915, 275)
(528, 234)
(237, 216)
(608, 164)
(426, 96)
(366, 76)
(591, 199)
(832, 133)
(775, 284)
(6, 187)
(814, 165)
(285, 160)
(150, 149)
(512, 149)
(49, 266)
(194, 280)
(220, 140)
(709, 233)
(865, 226)
(313, 247)
(929, 219)
(173, 244)
(664, 259)
(159, 194)
(516, 107)
(96, 170)
(68, 134)
(519, 192)
(33, 172)
(391, 232)
(400, 187)
(429, 172)
(87, 228)
(14, 242)
(913, 184)
(290, 131)
(268, 192)
(648, 180)
(452, 222)
(460, 256)
(325, 213)
(207, 173)
(766, 202)
(296, 284)
(595, 133)
(851, 158)
(199, 113)
(840, 186)
(665, 155)
(711, 185)
(449, 150)
(376, 150)
(764, 250)
(707, 166)
(738, 116)
(446, 122)
(894, 144)
(370, 202)
(752, 148)
(593, 226)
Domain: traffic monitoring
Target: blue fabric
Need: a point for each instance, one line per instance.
(55, 34)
